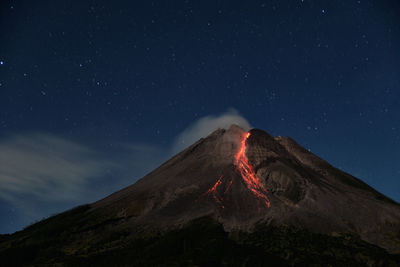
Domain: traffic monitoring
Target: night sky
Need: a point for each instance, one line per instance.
(95, 94)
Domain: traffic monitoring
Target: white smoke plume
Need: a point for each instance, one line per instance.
(206, 125)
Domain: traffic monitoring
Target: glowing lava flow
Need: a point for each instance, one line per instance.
(213, 191)
(249, 176)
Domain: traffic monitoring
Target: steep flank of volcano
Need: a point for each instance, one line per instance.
(244, 179)
(240, 186)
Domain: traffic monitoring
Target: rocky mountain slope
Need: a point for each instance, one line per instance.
(263, 197)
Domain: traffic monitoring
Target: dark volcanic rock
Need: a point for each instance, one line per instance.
(307, 195)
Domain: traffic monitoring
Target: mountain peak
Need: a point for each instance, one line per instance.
(242, 181)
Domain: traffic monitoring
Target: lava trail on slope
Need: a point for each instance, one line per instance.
(248, 175)
(250, 178)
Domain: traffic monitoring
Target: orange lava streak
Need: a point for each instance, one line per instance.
(250, 178)
(248, 174)
(213, 191)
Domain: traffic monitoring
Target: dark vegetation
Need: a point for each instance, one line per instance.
(65, 240)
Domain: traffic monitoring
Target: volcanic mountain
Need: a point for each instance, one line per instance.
(234, 197)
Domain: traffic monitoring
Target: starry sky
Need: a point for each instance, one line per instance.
(95, 94)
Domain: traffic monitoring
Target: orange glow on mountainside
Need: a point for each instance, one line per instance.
(250, 178)
(248, 175)
(213, 191)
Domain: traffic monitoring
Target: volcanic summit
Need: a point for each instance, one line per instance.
(244, 182)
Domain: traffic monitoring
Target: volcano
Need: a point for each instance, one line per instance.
(232, 198)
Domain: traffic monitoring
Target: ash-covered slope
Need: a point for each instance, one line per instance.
(204, 179)
(268, 194)
(295, 188)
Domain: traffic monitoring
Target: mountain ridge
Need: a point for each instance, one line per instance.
(243, 182)
(291, 174)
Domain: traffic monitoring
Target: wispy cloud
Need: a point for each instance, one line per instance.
(47, 168)
(41, 174)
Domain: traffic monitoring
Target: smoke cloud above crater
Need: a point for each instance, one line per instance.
(206, 125)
